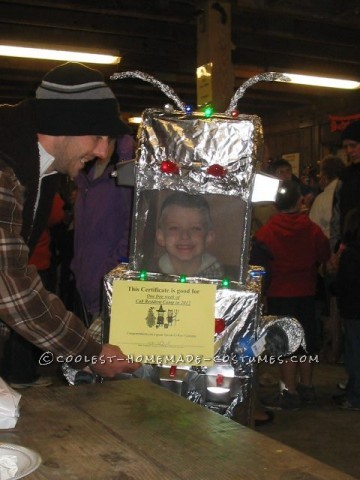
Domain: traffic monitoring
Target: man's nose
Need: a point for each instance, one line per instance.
(102, 147)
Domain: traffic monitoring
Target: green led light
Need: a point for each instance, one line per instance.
(209, 110)
(143, 275)
(183, 278)
(225, 282)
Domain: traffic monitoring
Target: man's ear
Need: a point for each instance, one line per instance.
(160, 237)
(210, 237)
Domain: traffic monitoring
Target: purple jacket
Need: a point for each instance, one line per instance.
(102, 219)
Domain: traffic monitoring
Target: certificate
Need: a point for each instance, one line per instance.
(164, 322)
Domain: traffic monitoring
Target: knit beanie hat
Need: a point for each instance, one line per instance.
(352, 132)
(74, 100)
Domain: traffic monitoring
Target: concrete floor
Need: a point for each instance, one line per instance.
(322, 431)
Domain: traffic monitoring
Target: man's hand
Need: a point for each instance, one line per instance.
(112, 362)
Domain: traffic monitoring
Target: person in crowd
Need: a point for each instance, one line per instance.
(321, 212)
(67, 124)
(282, 169)
(331, 169)
(102, 218)
(310, 179)
(297, 246)
(185, 232)
(346, 195)
(348, 288)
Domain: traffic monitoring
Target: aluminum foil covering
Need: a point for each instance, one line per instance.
(195, 146)
(289, 327)
(213, 155)
(195, 143)
(229, 382)
(227, 386)
(255, 278)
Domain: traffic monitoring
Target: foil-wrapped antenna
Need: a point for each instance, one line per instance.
(168, 91)
(263, 77)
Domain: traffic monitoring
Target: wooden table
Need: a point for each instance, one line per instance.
(135, 430)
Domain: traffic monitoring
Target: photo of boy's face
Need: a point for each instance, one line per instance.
(191, 234)
(185, 233)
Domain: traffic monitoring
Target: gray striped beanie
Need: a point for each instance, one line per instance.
(74, 100)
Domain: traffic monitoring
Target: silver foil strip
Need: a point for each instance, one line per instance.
(263, 77)
(168, 91)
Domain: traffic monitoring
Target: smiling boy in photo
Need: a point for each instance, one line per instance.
(185, 232)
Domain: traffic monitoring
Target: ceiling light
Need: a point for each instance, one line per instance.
(319, 81)
(53, 54)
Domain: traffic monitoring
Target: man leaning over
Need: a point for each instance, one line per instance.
(68, 123)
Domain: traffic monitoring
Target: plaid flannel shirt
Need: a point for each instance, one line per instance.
(25, 306)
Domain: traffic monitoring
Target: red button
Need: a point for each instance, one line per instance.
(216, 170)
(169, 167)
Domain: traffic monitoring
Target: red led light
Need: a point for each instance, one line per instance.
(219, 380)
(216, 170)
(172, 372)
(219, 325)
(167, 166)
(234, 114)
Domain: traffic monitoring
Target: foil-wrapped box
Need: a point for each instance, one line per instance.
(229, 382)
(212, 157)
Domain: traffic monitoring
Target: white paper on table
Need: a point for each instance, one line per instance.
(9, 405)
(8, 466)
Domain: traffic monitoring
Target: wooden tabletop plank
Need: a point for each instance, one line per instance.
(73, 445)
(133, 429)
